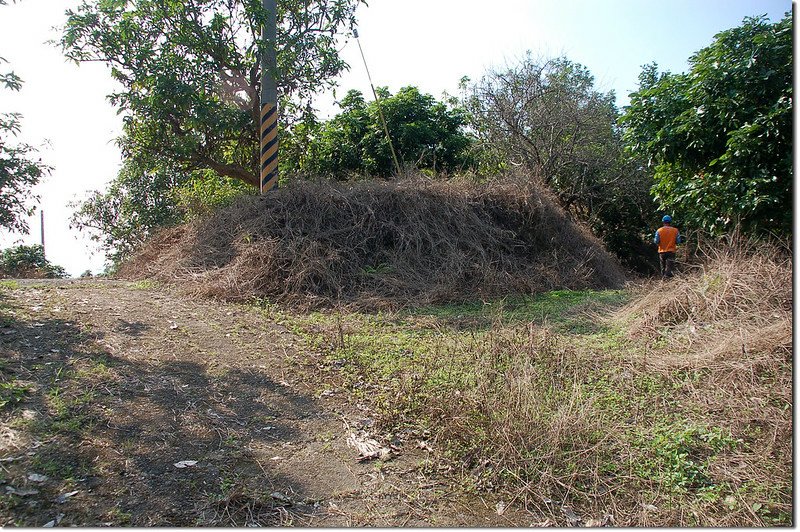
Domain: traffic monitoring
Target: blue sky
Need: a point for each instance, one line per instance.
(433, 43)
(427, 43)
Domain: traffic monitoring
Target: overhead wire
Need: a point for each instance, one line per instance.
(378, 102)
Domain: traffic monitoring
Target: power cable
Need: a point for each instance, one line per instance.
(378, 101)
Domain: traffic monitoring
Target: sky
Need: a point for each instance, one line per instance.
(430, 44)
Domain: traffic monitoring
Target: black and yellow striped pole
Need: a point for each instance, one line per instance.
(269, 103)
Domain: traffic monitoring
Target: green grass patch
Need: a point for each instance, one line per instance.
(9, 284)
(565, 309)
(11, 393)
(678, 455)
(145, 284)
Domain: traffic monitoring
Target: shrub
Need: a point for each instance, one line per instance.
(28, 262)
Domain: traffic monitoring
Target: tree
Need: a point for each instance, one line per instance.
(190, 76)
(547, 117)
(719, 137)
(427, 134)
(135, 203)
(147, 194)
(28, 262)
(20, 169)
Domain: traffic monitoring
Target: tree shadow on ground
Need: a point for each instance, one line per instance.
(109, 430)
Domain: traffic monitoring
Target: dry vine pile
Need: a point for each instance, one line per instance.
(379, 244)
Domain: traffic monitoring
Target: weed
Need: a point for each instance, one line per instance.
(118, 517)
(12, 393)
(146, 284)
(53, 467)
(679, 456)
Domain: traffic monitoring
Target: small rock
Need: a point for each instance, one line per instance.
(54, 522)
(572, 518)
(61, 499)
(280, 497)
(35, 477)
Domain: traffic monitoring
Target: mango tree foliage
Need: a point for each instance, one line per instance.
(189, 72)
(136, 203)
(427, 134)
(20, 168)
(720, 136)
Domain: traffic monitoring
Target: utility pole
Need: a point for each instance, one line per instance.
(41, 223)
(269, 102)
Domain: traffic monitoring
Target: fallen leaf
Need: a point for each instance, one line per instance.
(367, 447)
(61, 499)
(35, 477)
(54, 522)
(21, 493)
(185, 463)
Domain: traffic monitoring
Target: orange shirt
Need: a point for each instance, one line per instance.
(667, 239)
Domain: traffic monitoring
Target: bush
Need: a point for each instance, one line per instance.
(28, 262)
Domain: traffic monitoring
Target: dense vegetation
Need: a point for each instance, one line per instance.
(28, 262)
(720, 136)
(20, 169)
(712, 146)
(427, 135)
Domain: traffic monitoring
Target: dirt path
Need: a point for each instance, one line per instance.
(108, 385)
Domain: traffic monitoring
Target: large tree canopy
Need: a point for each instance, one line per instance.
(427, 134)
(548, 117)
(720, 135)
(189, 72)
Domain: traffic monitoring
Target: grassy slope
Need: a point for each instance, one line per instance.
(644, 407)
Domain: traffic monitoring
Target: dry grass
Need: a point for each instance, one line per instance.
(674, 411)
(729, 325)
(379, 244)
(744, 285)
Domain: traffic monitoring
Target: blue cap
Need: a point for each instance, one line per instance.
(667, 218)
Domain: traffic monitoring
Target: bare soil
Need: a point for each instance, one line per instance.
(122, 382)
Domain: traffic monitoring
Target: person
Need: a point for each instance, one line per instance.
(667, 238)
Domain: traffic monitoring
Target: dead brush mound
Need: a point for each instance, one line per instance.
(377, 244)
